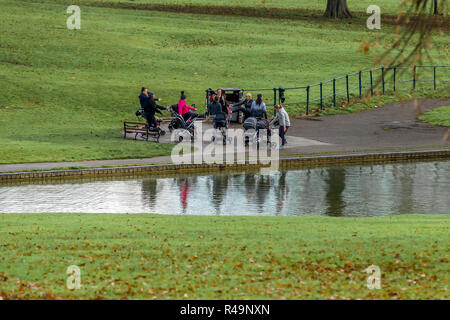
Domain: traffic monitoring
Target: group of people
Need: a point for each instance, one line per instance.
(148, 104)
(218, 108)
(250, 109)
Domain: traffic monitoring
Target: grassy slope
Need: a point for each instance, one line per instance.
(147, 256)
(387, 6)
(438, 117)
(64, 93)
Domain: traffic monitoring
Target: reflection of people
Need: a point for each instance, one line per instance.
(283, 119)
(150, 192)
(219, 186)
(184, 192)
(335, 191)
(263, 187)
(281, 192)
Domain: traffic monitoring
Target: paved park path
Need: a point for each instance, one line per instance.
(392, 127)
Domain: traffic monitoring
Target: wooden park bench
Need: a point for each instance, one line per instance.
(139, 128)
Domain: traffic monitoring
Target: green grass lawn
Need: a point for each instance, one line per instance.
(166, 257)
(386, 6)
(437, 117)
(65, 93)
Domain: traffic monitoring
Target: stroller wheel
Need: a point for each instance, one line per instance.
(224, 140)
(180, 139)
(163, 132)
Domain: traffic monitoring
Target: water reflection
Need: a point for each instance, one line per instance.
(149, 191)
(184, 192)
(335, 181)
(367, 190)
(281, 190)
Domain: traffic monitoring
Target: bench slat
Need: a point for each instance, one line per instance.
(143, 131)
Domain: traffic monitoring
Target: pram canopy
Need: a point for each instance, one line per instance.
(250, 123)
(262, 124)
(256, 124)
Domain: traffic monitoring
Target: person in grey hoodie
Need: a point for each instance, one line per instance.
(258, 109)
(283, 118)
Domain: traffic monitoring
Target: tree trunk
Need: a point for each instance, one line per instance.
(435, 2)
(337, 9)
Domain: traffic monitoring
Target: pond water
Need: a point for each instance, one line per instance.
(356, 190)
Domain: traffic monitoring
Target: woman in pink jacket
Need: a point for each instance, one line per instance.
(183, 108)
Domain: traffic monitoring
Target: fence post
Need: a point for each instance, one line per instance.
(382, 79)
(274, 96)
(395, 72)
(434, 77)
(371, 83)
(346, 83)
(307, 100)
(321, 97)
(360, 84)
(334, 92)
(414, 77)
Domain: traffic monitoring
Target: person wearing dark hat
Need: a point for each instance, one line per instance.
(150, 107)
(184, 109)
(144, 96)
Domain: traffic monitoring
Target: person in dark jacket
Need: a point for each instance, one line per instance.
(215, 109)
(144, 96)
(150, 107)
(244, 106)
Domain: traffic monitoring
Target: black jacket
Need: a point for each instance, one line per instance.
(143, 99)
(247, 103)
(246, 109)
(149, 105)
(214, 108)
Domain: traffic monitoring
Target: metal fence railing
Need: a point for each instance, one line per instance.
(352, 85)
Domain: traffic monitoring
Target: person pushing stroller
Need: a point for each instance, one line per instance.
(219, 117)
(184, 109)
(258, 108)
(256, 121)
(283, 119)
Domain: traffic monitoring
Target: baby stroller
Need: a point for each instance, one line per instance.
(178, 123)
(252, 126)
(221, 122)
